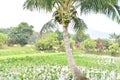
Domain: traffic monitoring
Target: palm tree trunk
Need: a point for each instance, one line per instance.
(77, 75)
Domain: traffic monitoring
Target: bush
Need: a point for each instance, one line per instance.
(88, 45)
(47, 43)
(11, 42)
(50, 42)
(107, 44)
(3, 39)
(42, 44)
(114, 49)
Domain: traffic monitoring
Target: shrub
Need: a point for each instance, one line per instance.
(47, 43)
(50, 42)
(3, 39)
(107, 44)
(88, 45)
(99, 45)
(42, 44)
(11, 42)
(114, 49)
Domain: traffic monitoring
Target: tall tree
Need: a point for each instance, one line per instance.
(65, 13)
(114, 36)
(21, 33)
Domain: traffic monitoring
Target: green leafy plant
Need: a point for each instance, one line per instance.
(114, 49)
(88, 45)
(21, 33)
(47, 42)
(3, 39)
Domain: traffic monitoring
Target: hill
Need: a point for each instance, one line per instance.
(97, 34)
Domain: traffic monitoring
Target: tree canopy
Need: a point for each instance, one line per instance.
(21, 33)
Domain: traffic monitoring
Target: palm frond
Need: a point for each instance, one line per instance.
(113, 12)
(49, 27)
(39, 4)
(95, 5)
(78, 24)
(107, 7)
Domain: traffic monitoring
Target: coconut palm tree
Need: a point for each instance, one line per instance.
(114, 36)
(65, 13)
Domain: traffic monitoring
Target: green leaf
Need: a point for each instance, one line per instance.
(39, 4)
(49, 27)
(108, 7)
(79, 24)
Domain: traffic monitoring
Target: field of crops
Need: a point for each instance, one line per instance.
(28, 64)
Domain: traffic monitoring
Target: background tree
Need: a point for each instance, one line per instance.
(21, 34)
(33, 37)
(99, 45)
(115, 37)
(107, 43)
(5, 30)
(65, 12)
(60, 36)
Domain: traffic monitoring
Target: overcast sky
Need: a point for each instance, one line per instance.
(12, 13)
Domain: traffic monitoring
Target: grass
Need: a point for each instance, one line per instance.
(26, 54)
(27, 57)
